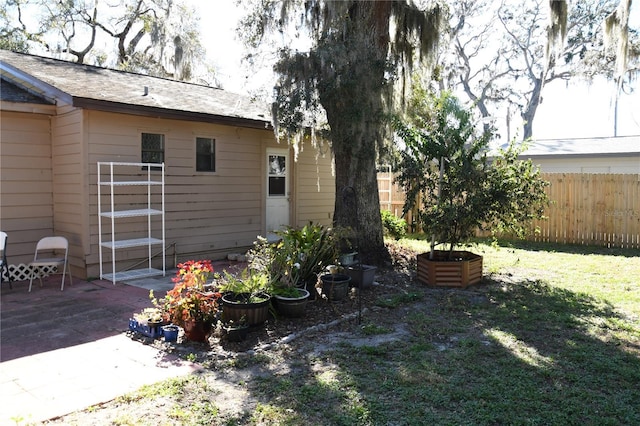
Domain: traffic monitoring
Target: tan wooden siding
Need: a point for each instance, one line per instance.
(69, 193)
(207, 214)
(26, 187)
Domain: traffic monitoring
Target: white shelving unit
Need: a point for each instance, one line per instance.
(116, 177)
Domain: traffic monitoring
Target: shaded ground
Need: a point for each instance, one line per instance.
(241, 378)
(276, 346)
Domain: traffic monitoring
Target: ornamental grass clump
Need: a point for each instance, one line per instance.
(188, 300)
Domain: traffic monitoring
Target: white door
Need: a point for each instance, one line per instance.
(277, 189)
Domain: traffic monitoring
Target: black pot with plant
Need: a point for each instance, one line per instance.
(293, 263)
(292, 305)
(235, 330)
(335, 285)
(245, 296)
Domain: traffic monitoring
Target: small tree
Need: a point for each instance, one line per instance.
(445, 172)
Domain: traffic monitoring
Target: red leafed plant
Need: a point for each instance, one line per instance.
(188, 301)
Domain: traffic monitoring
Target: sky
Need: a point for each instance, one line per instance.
(574, 110)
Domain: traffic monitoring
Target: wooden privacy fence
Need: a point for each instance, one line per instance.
(588, 209)
(391, 195)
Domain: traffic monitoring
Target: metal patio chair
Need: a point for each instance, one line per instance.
(4, 266)
(53, 247)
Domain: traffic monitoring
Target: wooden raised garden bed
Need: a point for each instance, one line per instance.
(462, 272)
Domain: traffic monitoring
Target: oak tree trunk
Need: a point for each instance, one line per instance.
(353, 100)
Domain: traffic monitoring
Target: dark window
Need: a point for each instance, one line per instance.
(277, 185)
(205, 155)
(277, 173)
(152, 148)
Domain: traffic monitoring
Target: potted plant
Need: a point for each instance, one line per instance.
(361, 275)
(282, 265)
(235, 331)
(148, 322)
(335, 285)
(149, 316)
(170, 332)
(245, 296)
(345, 237)
(293, 264)
(457, 191)
(189, 304)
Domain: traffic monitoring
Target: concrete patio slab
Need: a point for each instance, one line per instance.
(62, 351)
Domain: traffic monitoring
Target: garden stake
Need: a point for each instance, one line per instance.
(357, 245)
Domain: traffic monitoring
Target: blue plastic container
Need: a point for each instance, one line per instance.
(170, 333)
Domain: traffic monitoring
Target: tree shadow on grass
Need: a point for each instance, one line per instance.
(574, 349)
(526, 351)
(501, 353)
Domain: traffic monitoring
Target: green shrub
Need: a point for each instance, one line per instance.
(393, 226)
(445, 173)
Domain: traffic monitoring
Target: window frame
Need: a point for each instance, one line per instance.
(214, 154)
(162, 151)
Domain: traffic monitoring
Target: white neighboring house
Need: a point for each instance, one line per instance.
(619, 155)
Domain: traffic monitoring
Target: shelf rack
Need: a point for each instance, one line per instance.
(115, 175)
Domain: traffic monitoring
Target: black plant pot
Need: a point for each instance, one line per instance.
(235, 333)
(234, 308)
(361, 275)
(292, 306)
(335, 286)
(310, 285)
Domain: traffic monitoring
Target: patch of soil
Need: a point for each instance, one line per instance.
(392, 279)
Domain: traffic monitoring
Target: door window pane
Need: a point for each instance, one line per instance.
(277, 172)
(277, 185)
(277, 164)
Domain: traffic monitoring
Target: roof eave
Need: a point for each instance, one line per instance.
(33, 85)
(147, 111)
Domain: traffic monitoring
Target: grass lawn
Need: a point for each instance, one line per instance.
(550, 337)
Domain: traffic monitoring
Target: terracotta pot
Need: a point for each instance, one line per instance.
(197, 331)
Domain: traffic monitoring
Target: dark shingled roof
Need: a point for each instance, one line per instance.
(118, 91)
(11, 93)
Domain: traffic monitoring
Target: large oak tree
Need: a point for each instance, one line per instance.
(347, 78)
(500, 59)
